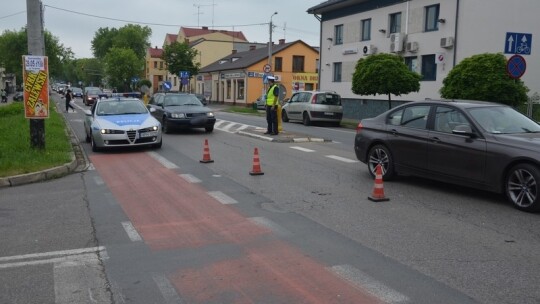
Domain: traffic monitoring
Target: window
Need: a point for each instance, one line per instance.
(366, 30)
(429, 68)
(432, 15)
(278, 64)
(414, 117)
(155, 64)
(298, 64)
(447, 119)
(338, 34)
(412, 63)
(337, 72)
(395, 23)
(161, 65)
(241, 88)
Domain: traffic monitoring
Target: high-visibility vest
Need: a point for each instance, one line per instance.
(271, 99)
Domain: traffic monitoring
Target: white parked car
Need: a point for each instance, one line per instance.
(311, 106)
(121, 122)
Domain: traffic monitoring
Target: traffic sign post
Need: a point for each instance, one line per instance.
(267, 68)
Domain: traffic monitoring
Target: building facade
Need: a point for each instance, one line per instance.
(239, 78)
(431, 36)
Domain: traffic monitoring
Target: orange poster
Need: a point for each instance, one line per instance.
(36, 86)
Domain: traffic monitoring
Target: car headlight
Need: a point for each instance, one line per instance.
(109, 131)
(210, 114)
(155, 128)
(178, 115)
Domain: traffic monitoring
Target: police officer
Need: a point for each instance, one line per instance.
(272, 101)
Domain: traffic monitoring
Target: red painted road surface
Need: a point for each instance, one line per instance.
(171, 213)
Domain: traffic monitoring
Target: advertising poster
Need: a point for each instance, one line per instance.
(36, 86)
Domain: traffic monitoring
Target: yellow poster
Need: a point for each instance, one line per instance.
(36, 86)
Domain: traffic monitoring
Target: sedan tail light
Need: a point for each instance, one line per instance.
(359, 128)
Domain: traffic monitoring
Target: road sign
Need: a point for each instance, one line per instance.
(516, 66)
(518, 43)
(184, 74)
(267, 68)
(439, 58)
(167, 85)
(135, 79)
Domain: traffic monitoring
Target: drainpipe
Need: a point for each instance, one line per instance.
(456, 33)
(320, 50)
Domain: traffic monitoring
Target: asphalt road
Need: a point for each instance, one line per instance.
(157, 226)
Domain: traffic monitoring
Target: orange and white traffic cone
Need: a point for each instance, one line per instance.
(206, 153)
(378, 188)
(256, 164)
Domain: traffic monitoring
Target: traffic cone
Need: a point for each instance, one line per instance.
(378, 188)
(256, 164)
(206, 153)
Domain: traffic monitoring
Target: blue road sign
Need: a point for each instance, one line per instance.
(135, 79)
(518, 43)
(516, 66)
(184, 74)
(167, 85)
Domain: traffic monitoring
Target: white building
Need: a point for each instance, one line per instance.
(432, 37)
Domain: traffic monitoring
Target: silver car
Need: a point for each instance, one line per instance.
(121, 122)
(311, 106)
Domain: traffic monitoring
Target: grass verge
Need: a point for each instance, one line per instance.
(16, 154)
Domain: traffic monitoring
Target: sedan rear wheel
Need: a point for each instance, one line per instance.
(380, 155)
(522, 187)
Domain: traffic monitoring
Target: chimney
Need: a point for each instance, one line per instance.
(252, 47)
(156, 47)
(205, 28)
(234, 51)
(281, 41)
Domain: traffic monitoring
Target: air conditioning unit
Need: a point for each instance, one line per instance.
(369, 49)
(396, 42)
(412, 46)
(447, 42)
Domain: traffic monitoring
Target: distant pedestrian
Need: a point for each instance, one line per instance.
(272, 100)
(69, 98)
(4, 95)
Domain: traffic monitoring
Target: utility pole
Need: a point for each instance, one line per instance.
(36, 47)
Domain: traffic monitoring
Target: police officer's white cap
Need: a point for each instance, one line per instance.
(271, 78)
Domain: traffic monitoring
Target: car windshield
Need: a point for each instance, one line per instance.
(503, 120)
(181, 100)
(120, 107)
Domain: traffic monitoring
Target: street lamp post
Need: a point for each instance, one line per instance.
(270, 41)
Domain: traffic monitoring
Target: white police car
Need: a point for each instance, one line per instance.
(121, 122)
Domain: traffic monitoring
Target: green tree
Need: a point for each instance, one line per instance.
(90, 71)
(484, 77)
(384, 74)
(180, 57)
(121, 65)
(14, 44)
(131, 36)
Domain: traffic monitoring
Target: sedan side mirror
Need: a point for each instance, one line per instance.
(463, 129)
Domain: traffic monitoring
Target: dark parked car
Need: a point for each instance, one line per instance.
(77, 92)
(18, 96)
(477, 144)
(180, 110)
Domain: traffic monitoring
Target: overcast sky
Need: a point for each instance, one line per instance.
(75, 22)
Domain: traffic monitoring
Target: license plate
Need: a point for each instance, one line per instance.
(329, 113)
(148, 134)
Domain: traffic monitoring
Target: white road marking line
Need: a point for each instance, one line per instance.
(162, 160)
(219, 122)
(91, 167)
(73, 258)
(132, 233)
(242, 127)
(190, 178)
(167, 290)
(266, 223)
(52, 253)
(374, 287)
(343, 159)
(80, 281)
(302, 149)
(228, 127)
(222, 197)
